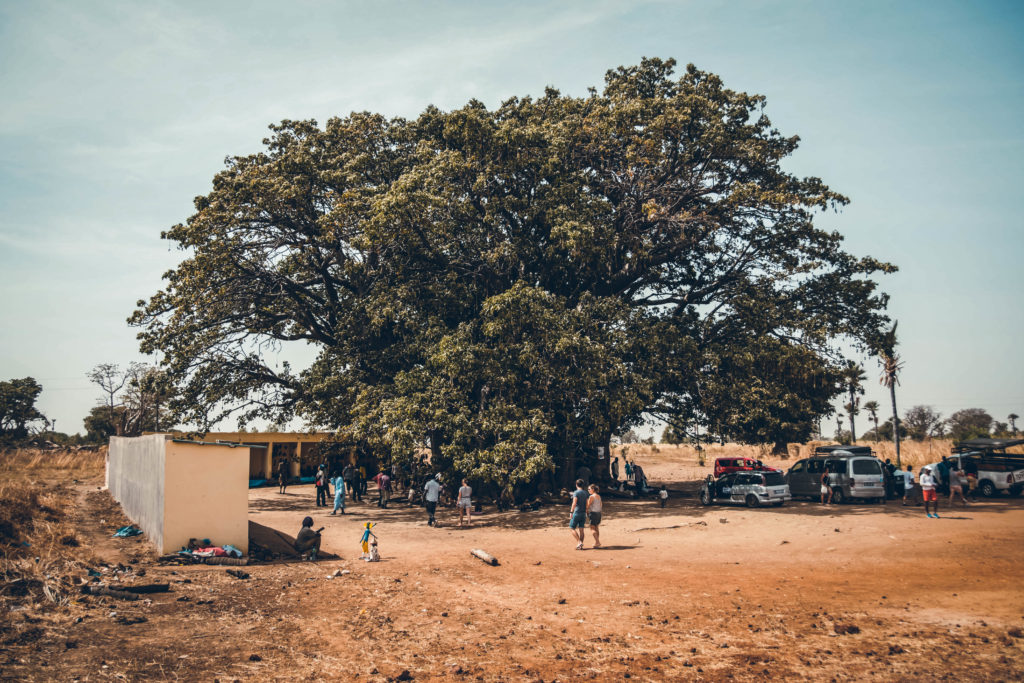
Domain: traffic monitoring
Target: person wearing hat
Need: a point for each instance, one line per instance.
(308, 540)
(929, 492)
(432, 494)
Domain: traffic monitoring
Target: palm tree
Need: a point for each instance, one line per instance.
(853, 378)
(1013, 417)
(872, 408)
(885, 347)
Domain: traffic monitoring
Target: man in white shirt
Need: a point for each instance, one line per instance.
(929, 493)
(431, 494)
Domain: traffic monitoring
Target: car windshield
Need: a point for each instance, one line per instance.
(774, 479)
(866, 467)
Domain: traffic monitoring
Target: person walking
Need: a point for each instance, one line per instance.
(431, 495)
(282, 475)
(578, 514)
(362, 482)
(348, 473)
(339, 494)
(465, 503)
(594, 506)
(956, 486)
(383, 489)
(929, 492)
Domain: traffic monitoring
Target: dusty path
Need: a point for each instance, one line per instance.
(850, 592)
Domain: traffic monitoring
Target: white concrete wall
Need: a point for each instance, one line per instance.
(177, 491)
(135, 477)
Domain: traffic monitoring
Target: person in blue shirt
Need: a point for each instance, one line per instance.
(578, 514)
(339, 494)
(364, 542)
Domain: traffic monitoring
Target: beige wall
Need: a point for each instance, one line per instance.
(176, 491)
(206, 495)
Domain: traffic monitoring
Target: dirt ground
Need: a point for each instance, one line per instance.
(848, 592)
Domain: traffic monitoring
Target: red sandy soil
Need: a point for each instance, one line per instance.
(850, 592)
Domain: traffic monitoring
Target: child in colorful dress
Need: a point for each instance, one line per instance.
(364, 542)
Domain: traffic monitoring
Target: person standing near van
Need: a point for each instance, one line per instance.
(908, 483)
(826, 489)
(929, 493)
(899, 482)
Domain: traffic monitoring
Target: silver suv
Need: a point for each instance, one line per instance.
(753, 489)
(851, 476)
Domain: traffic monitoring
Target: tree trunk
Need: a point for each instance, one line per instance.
(895, 424)
(853, 409)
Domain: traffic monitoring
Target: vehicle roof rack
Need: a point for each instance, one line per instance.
(988, 444)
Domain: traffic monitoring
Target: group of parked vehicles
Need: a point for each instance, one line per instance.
(854, 473)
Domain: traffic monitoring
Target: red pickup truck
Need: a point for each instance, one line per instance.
(726, 465)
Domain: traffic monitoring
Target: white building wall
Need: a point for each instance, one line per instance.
(175, 491)
(135, 478)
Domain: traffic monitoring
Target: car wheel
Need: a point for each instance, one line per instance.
(987, 488)
(838, 497)
(752, 501)
(705, 496)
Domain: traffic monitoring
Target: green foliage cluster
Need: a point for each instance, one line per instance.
(18, 412)
(512, 287)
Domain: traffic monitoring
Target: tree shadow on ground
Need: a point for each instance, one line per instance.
(641, 509)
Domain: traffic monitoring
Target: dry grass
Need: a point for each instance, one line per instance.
(40, 551)
(53, 466)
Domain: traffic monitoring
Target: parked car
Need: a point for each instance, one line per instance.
(997, 470)
(752, 488)
(850, 476)
(726, 465)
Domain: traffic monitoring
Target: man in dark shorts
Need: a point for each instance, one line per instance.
(578, 514)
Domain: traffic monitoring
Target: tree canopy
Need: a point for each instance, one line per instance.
(512, 286)
(18, 410)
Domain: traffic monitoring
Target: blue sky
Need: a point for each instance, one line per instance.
(113, 116)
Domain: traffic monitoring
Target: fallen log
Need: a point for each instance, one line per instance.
(485, 556)
(110, 593)
(237, 561)
(147, 588)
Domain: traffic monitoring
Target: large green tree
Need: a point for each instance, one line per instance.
(18, 412)
(510, 287)
(969, 423)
